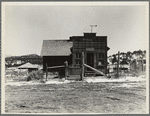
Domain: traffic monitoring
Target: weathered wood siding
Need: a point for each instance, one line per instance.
(90, 43)
(55, 61)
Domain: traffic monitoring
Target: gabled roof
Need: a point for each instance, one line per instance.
(56, 48)
(27, 65)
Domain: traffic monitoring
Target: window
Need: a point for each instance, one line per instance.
(78, 62)
(77, 59)
(77, 55)
(101, 55)
(100, 62)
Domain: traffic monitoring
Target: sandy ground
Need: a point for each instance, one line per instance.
(86, 79)
(92, 95)
(124, 79)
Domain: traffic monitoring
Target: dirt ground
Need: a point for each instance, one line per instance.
(77, 97)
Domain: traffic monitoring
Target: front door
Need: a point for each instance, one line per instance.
(90, 60)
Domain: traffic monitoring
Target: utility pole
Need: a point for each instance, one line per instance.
(82, 66)
(118, 64)
(46, 71)
(142, 63)
(92, 27)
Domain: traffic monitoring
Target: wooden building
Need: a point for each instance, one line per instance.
(56, 52)
(30, 67)
(94, 48)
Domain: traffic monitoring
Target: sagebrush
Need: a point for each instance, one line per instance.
(35, 75)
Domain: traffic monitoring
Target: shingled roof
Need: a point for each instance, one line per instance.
(56, 48)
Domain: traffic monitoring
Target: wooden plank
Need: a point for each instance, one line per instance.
(75, 71)
(94, 69)
(56, 66)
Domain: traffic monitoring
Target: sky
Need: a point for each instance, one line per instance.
(26, 26)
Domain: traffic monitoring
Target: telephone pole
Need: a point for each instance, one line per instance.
(92, 27)
(118, 64)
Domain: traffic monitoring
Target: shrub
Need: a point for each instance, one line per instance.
(109, 76)
(35, 75)
(116, 76)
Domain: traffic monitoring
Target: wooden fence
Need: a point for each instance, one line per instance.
(74, 71)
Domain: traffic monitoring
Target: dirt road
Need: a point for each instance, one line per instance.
(77, 97)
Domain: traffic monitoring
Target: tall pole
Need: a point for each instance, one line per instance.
(66, 70)
(142, 64)
(135, 66)
(118, 64)
(82, 66)
(92, 27)
(46, 71)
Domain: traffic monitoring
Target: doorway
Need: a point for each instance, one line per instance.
(90, 60)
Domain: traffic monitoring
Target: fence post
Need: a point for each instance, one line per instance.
(46, 71)
(82, 66)
(142, 65)
(66, 70)
(118, 65)
(12, 73)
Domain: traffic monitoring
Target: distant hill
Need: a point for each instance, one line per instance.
(19, 60)
(25, 56)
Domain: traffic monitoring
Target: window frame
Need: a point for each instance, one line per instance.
(77, 55)
(101, 55)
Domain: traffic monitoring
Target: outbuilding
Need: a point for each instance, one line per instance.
(29, 66)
